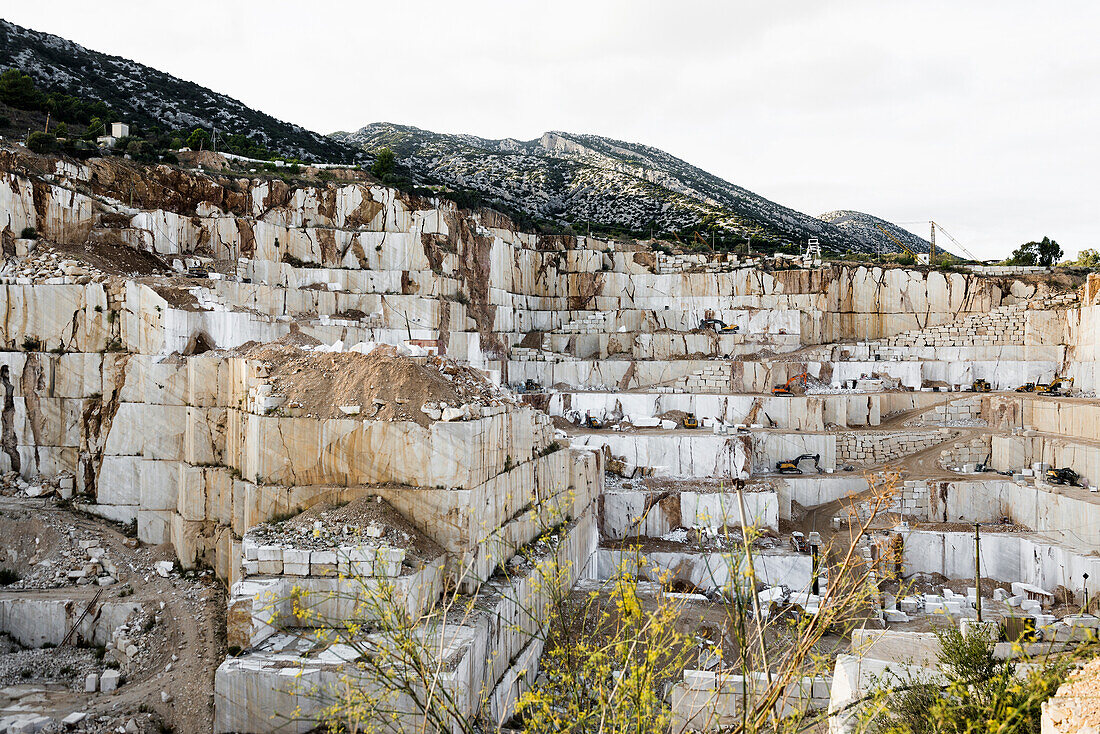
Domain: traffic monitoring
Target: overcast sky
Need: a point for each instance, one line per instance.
(981, 115)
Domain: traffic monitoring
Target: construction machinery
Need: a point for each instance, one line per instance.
(785, 390)
(799, 544)
(1065, 475)
(1054, 389)
(591, 421)
(1028, 387)
(791, 466)
(898, 242)
(690, 421)
(719, 326)
(981, 386)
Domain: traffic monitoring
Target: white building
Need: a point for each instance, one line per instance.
(118, 130)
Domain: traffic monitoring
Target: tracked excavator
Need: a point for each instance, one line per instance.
(785, 390)
(1064, 475)
(719, 326)
(1054, 389)
(791, 466)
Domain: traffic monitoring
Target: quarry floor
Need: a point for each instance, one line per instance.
(181, 651)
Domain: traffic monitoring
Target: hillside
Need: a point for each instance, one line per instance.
(576, 179)
(146, 97)
(865, 228)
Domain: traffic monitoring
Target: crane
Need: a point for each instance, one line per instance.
(898, 242)
(933, 226)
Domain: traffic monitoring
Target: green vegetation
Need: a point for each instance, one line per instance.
(18, 90)
(40, 142)
(1044, 253)
(8, 577)
(977, 690)
(1086, 259)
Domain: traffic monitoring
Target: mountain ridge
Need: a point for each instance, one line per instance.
(147, 96)
(576, 178)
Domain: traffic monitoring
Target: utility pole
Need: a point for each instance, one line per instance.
(752, 580)
(1085, 609)
(978, 570)
(932, 241)
(816, 571)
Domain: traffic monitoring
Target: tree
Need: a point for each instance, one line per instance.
(40, 142)
(384, 161)
(61, 131)
(1044, 253)
(199, 139)
(17, 89)
(1087, 259)
(95, 129)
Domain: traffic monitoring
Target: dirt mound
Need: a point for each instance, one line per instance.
(384, 384)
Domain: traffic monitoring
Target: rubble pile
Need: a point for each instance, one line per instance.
(322, 539)
(44, 265)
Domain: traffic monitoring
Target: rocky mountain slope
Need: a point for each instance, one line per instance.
(146, 96)
(866, 229)
(580, 179)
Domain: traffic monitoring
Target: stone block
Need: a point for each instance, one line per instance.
(109, 681)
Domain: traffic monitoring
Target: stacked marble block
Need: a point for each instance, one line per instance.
(876, 448)
(1002, 325)
(707, 700)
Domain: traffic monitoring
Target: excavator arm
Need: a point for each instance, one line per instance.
(785, 388)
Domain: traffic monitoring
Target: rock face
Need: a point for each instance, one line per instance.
(217, 355)
(566, 177)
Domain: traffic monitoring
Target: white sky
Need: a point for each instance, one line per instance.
(982, 115)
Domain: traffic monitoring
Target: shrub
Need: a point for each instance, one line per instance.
(29, 233)
(8, 577)
(40, 142)
(5, 121)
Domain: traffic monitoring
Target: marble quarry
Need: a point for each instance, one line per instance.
(210, 359)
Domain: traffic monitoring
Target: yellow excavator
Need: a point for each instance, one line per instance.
(785, 390)
(1029, 387)
(1054, 389)
(719, 326)
(690, 421)
(981, 386)
(791, 465)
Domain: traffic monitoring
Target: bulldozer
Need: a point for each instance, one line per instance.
(690, 421)
(1028, 387)
(981, 386)
(1065, 475)
(1054, 389)
(791, 466)
(719, 326)
(785, 390)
